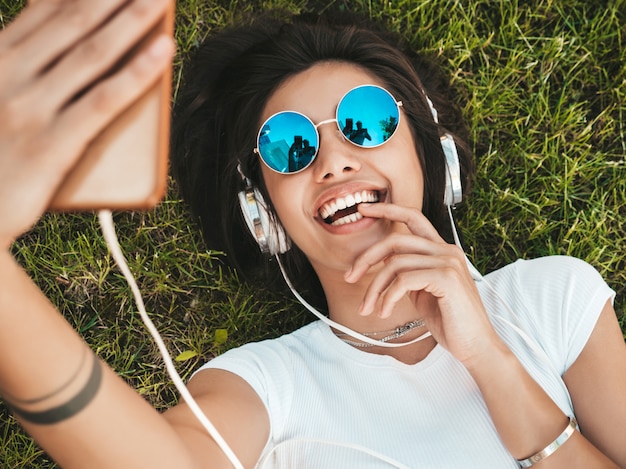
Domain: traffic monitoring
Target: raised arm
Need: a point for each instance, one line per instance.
(76, 408)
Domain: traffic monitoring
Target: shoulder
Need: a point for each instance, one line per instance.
(549, 286)
(548, 280)
(537, 271)
(269, 368)
(274, 351)
(269, 363)
(556, 300)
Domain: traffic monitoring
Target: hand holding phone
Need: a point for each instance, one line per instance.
(125, 166)
(75, 77)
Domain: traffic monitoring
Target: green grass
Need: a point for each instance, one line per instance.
(543, 86)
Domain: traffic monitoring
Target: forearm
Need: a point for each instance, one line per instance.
(526, 418)
(45, 364)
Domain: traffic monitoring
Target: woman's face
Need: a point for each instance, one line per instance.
(390, 173)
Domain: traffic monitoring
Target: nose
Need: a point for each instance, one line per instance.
(336, 157)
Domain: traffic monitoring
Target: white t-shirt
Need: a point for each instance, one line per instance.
(330, 403)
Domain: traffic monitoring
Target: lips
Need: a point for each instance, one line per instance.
(343, 210)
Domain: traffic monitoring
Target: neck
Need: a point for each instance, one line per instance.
(410, 351)
(343, 301)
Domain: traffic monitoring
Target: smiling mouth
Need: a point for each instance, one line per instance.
(343, 210)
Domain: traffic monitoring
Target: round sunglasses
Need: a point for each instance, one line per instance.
(367, 116)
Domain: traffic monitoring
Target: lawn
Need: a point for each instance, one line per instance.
(543, 87)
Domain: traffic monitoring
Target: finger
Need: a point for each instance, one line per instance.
(96, 54)
(392, 245)
(423, 281)
(72, 21)
(25, 23)
(397, 265)
(414, 219)
(446, 278)
(89, 115)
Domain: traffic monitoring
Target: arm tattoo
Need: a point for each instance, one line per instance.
(71, 407)
(71, 379)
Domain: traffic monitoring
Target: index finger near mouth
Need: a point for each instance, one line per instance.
(414, 219)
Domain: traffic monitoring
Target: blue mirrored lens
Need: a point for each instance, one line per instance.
(288, 142)
(368, 116)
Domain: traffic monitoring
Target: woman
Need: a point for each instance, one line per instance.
(387, 267)
(442, 401)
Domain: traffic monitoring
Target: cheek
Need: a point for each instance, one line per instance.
(285, 197)
(411, 157)
(408, 180)
(401, 158)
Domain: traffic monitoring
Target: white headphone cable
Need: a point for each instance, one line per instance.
(341, 327)
(346, 330)
(108, 230)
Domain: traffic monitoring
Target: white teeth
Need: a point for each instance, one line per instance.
(330, 208)
(350, 201)
(325, 212)
(349, 219)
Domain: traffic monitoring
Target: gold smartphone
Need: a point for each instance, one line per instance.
(126, 166)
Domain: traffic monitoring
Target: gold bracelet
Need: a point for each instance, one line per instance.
(552, 447)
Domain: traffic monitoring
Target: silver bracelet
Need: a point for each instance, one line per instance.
(552, 447)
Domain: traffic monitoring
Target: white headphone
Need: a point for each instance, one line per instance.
(265, 229)
(269, 233)
(272, 239)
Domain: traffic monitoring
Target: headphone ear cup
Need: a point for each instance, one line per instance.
(269, 235)
(454, 189)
